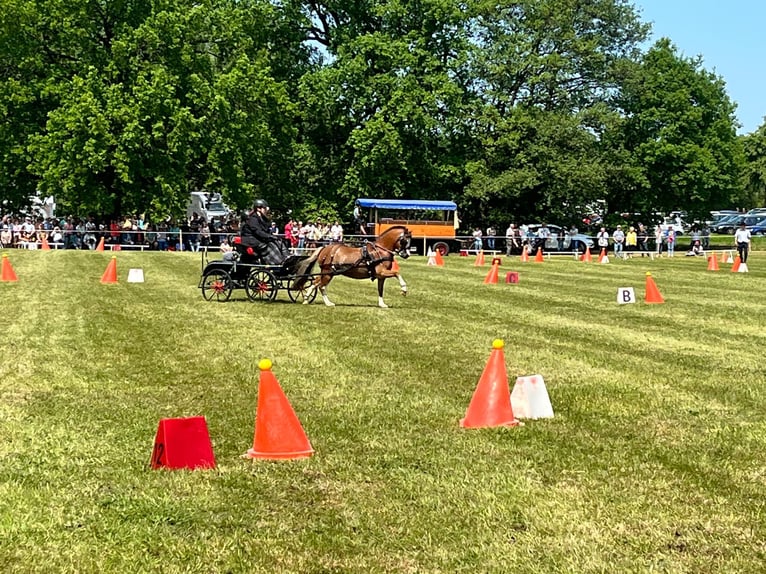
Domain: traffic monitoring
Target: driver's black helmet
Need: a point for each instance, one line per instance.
(260, 203)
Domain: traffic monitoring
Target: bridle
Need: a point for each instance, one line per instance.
(400, 248)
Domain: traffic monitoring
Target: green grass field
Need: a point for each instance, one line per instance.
(654, 461)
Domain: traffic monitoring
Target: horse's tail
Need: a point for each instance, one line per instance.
(303, 269)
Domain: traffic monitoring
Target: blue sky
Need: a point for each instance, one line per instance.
(731, 38)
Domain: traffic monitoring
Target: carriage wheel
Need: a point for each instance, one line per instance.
(442, 247)
(261, 285)
(296, 295)
(216, 284)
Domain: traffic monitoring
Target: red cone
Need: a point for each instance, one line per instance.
(491, 402)
(110, 275)
(100, 246)
(7, 273)
(539, 256)
(712, 263)
(652, 293)
(492, 273)
(394, 266)
(278, 432)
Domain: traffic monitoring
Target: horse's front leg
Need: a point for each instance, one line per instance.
(381, 303)
(402, 284)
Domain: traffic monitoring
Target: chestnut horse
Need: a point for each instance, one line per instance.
(371, 261)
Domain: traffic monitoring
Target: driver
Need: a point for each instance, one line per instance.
(256, 231)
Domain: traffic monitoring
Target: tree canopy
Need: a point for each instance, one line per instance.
(528, 109)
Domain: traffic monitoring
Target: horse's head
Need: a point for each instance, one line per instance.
(396, 240)
(402, 244)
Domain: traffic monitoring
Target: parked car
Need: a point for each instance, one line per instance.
(758, 228)
(675, 223)
(552, 244)
(727, 224)
(718, 216)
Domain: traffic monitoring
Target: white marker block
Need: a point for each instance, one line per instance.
(136, 276)
(530, 400)
(626, 295)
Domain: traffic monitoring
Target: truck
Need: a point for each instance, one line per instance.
(432, 223)
(207, 205)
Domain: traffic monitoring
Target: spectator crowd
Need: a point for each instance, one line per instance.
(188, 234)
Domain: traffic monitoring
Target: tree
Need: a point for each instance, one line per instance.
(680, 131)
(545, 71)
(137, 103)
(754, 145)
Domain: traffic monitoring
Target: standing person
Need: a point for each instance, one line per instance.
(574, 244)
(543, 234)
(619, 241)
(602, 238)
(358, 220)
(631, 240)
(511, 242)
(643, 239)
(477, 243)
(671, 237)
(658, 239)
(742, 240)
(291, 240)
(491, 237)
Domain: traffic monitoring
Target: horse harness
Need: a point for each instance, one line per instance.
(369, 259)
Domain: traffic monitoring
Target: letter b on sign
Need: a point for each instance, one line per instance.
(626, 295)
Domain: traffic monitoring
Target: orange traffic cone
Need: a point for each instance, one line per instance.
(278, 432)
(7, 273)
(712, 263)
(586, 257)
(652, 293)
(44, 243)
(439, 260)
(492, 273)
(491, 402)
(723, 257)
(737, 263)
(110, 275)
(525, 254)
(539, 256)
(100, 246)
(601, 256)
(394, 266)
(479, 261)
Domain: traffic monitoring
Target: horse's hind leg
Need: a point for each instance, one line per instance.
(322, 283)
(308, 291)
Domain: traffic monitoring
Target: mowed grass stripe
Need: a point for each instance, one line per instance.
(653, 435)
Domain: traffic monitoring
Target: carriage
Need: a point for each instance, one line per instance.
(259, 281)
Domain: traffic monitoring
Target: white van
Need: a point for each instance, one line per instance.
(207, 205)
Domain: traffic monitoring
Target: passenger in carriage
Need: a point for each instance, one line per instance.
(257, 241)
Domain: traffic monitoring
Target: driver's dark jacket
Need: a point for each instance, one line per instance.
(256, 232)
